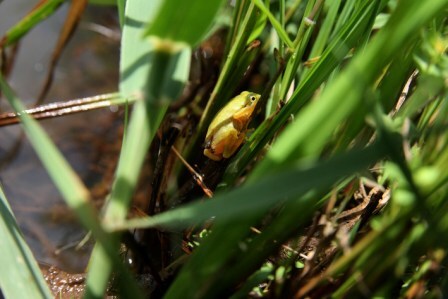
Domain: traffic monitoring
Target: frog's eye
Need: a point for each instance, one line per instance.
(252, 98)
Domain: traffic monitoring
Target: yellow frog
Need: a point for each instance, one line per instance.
(228, 129)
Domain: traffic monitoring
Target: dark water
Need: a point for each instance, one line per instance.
(89, 66)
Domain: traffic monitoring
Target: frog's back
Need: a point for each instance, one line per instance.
(224, 116)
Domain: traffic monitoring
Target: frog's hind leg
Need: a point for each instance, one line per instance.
(209, 153)
(233, 141)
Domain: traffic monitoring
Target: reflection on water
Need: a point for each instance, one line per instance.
(88, 66)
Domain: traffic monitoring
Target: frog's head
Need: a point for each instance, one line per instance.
(251, 98)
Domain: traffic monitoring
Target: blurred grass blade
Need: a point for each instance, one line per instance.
(135, 65)
(121, 5)
(168, 75)
(20, 276)
(181, 22)
(262, 194)
(71, 21)
(429, 87)
(39, 13)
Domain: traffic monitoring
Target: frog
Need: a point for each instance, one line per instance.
(227, 131)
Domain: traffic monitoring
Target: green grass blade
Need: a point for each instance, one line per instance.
(20, 276)
(326, 29)
(121, 4)
(276, 24)
(260, 195)
(135, 66)
(300, 43)
(429, 88)
(40, 13)
(344, 16)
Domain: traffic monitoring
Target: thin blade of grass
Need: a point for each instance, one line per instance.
(20, 276)
(260, 195)
(276, 24)
(121, 4)
(39, 13)
(301, 40)
(429, 88)
(326, 29)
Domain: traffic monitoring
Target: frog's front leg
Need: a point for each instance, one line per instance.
(241, 118)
